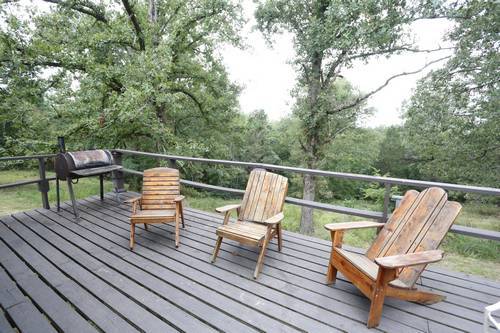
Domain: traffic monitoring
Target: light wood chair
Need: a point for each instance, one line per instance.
(400, 252)
(160, 202)
(259, 214)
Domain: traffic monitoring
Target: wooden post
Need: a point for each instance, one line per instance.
(43, 184)
(172, 163)
(117, 175)
(387, 197)
(101, 186)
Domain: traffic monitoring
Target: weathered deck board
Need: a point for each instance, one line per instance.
(319, 284)
(80, 276)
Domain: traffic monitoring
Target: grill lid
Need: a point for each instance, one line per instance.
(91, 158)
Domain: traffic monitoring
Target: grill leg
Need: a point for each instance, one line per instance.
(72, 196)
(58, 195)
(101, 183)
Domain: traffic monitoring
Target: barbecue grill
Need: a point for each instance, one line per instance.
(71, 166)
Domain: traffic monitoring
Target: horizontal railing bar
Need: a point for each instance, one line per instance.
(24, 182)
(31, 157)
(293, 201)
(475, 232)
(351, 176)
(467, 231)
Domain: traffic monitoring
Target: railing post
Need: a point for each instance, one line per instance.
(172, 163)
(117, 175)
(43, 184)
(387, 197)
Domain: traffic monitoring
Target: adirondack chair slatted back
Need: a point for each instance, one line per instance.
(159, 188)
(264, 196)
(419, 224)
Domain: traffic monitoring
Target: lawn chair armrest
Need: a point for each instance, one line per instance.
(412, 259)
(179, 198)
(353, 225)
(133, 200)
(275, 219)
(227, 208)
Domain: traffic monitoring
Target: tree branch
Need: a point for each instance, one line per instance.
(365, 97)
(135, 24)
(83, 7)
(396, 49)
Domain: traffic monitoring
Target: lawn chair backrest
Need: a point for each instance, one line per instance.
(419, 224)
(264, 196)
(159, 188)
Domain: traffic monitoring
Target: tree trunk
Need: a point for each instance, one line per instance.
(311, 145)
(306, 222)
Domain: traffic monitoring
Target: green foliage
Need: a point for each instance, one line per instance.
(452, 120)
(112, 75)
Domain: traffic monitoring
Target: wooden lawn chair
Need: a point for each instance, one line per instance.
(259, 214)
(401, 251)
(160, 202)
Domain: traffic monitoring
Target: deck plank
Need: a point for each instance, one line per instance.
(275, 311)
(116, 259)
(439, 316)
(90, 306)
(398, 314)
(19, 307)
(5, 326)
(113, 297)
(96, 283)
(111, 280)
(56, 308)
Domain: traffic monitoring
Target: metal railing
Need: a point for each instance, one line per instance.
(43, 181)
(388, 183)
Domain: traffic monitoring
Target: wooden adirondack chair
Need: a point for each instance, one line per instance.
(400, 252)
(160, 202)
(259, 214)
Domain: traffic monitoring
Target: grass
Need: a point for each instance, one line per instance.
(464, 254)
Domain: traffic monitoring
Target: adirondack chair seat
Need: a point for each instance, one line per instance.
(365, 265)
(154, 214)
(252, 232)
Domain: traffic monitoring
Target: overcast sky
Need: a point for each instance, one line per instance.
(267, 77)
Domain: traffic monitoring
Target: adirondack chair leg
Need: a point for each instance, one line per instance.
(260, 261)
(384, 277)
(181, 211)
(177, 236)
(280, 236)
(216, 249)
(132, 235)
(331, 274)
(417, 296)
(146, 226)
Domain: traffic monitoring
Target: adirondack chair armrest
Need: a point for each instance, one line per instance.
(179, 198)
(411, 259)
(135, 202)
(132, 200)
(275, 219)
(227, 208)
(353, 225)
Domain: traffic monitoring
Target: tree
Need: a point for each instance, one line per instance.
(257, 145)
(394, 158)
(143, 74)
(329, 35)
(453, 121)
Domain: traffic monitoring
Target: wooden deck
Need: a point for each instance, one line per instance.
(59, 275)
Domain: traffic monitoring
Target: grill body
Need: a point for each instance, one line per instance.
(68, 163)
(79, 164)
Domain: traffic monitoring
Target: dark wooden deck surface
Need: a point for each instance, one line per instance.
(60, 275)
